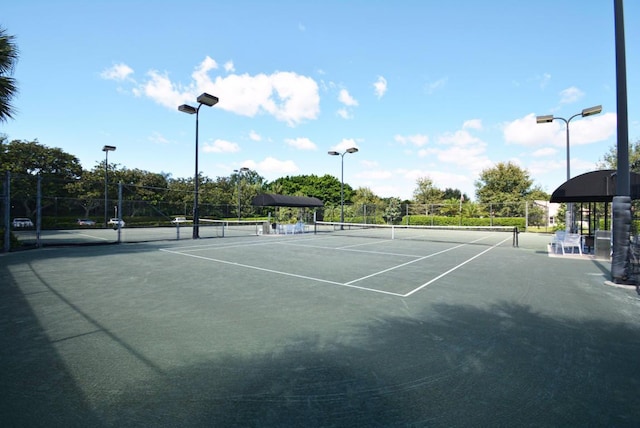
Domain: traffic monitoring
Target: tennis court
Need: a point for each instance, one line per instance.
(317, 329)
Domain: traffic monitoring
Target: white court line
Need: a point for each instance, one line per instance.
(426, 284)
(321, 247)
(405, 264)
(350, 283)
(364, 243)
(419, 259)
(282, 273)
(94, 237)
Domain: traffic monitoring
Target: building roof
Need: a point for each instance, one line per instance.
(271, 200)
(594, 186)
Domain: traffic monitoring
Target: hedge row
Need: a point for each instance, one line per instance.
(423, 220)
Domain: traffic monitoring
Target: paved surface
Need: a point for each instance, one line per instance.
(273, 332)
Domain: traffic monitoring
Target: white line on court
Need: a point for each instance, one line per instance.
(405, 264)
(94, 237)
(426, 284)
(382, 253)
(282, 273)
(346, 247)
(419, 259)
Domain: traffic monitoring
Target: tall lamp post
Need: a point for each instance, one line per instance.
(106, 150)
(334, 153)
(240, 172)
(207, 100)
(550, 118)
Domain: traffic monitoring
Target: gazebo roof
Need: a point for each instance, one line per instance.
(594, 186)
(272, 200)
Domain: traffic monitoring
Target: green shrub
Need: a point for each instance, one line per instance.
(427, 220)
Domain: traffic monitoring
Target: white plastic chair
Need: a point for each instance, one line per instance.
(571, 241)
(558, 237)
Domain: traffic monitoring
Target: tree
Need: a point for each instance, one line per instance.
(325, 188)
(505, 187)
(26, 160)
(426, 192)
(88, 190)
(393, 213)
(450, 193)
(610, 159)
(8, 86)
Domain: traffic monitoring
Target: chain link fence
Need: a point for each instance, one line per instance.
(40, 210)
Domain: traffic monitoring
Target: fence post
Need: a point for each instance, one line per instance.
(7, 213)
(38, 210)
(120, 213)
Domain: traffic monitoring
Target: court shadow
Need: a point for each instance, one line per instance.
(451, 366)
(36, 387)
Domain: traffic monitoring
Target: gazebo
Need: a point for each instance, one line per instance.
(591, 188)
(288, 201)
(273, 200)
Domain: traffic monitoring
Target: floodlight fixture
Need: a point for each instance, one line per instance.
(544, 119)
(550, 118)
(335, 153)
(207, 99)
(106, 149)
(186, 108)
(591, 111)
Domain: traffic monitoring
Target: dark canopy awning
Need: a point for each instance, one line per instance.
(271, 200)
(594, 186)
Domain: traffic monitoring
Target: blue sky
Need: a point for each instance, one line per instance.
(437, 89)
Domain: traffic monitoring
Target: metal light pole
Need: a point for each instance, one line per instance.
(550, 118)
(239, 172)
(106, 150)
(208, 100)
(334, 153)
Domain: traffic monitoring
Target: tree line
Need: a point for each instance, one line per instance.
(62, 176)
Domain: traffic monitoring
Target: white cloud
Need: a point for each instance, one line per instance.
(544, 80)
(221, 146)
(570, 95)
(380, 86)
(417, 140)
(254, 136)
(159, 88)
(158, 138)
(593, 129)
(544, 152)
(201, 73)
(373, 174)
(526, 132)
(345, 98)
(273, 167)
(344, 113)
(117, 72)
(472, 124)
(431, 87)
(228, 67)
(345, 144)
(301, 143)
(287, 96)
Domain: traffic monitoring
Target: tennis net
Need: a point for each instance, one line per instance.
(228, 228)
(484, 235)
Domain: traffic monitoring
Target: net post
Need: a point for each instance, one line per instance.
(515, 236)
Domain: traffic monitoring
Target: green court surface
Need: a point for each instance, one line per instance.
(316, 330)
